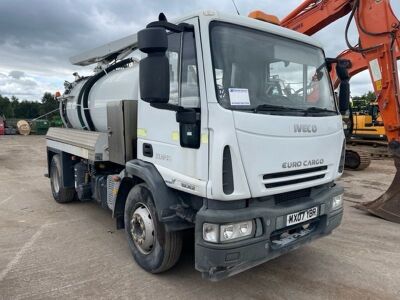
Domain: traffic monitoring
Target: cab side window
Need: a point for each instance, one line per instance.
(184, 82)
(190, 96)
(173, 54)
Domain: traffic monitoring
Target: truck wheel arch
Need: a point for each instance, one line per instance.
(127, 183)
(164, 197)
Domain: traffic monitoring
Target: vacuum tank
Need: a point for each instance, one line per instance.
(84, 103)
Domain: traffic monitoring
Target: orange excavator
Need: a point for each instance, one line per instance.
(377, 50)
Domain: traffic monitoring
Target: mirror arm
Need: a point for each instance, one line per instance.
(182, 27)
(167, 106)
(341, 63)
(183, 115)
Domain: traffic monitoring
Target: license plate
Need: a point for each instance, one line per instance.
(302, 216)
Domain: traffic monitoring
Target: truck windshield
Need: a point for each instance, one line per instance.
(263, 73)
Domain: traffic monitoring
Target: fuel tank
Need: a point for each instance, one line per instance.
(116, 84)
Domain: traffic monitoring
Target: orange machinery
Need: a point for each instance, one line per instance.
(378, 50)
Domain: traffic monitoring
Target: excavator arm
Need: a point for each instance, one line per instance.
(358, 64)
(378, 50)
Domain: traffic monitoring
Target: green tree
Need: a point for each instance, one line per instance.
(14, 108)
(5, 107)
(49, 103)
(27, 109)
(361, 103)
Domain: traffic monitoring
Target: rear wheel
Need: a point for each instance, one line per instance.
(60, 193)
(152, 247)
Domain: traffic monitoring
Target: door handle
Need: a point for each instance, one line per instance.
(147, 150)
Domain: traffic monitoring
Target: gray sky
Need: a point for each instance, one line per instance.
(37, 37)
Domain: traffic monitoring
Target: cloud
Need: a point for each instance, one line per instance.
(16, 74)
(23, 86)
(37, 37)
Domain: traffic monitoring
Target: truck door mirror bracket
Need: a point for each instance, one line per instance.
(187, 116)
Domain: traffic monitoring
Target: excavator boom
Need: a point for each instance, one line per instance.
(378, 50)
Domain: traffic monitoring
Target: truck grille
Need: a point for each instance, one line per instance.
(279, 179)
(283, 197)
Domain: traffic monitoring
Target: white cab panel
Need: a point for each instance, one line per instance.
(270, 145)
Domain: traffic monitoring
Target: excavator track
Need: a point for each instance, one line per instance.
(376, 153)
(357, 160)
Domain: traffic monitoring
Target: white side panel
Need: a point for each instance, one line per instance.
(117, 85)
(222, 133)
(80, 152)
(86, 144)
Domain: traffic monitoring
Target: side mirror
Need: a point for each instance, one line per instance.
(344, 87)
(344, 97)
(154, 69)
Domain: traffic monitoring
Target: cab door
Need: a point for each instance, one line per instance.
(161, 139)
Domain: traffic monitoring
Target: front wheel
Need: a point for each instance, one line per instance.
(152, 247)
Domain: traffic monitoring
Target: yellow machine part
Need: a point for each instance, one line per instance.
(364, 128)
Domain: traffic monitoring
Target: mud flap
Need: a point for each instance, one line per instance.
(387, 206)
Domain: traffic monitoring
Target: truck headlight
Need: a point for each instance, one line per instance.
(216, 233)
(236, 231)
(337, 202)
(210, 232)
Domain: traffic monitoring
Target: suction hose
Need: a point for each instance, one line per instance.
(83, 98)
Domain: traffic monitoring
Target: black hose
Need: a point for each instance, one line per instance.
(84, 93)
(64, 114)
(78, 104)
(368, 32)
(358, 49)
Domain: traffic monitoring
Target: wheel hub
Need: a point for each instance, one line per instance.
(142, 229)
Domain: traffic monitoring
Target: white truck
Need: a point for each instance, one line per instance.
(219, 124)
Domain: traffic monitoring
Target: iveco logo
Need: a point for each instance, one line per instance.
(306, 128)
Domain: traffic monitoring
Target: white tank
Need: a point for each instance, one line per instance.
(120, 84)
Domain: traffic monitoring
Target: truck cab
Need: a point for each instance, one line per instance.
(238, 138)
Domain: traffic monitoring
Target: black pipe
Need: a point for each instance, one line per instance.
(91, 82)
(84, 93)
(78, 104)
(64, 114)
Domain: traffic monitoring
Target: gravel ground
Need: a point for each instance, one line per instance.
(48, 250)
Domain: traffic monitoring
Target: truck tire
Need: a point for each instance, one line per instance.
(152, 247)
(60, 193)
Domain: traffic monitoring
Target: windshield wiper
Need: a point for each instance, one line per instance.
(270, 107)
(319, 109)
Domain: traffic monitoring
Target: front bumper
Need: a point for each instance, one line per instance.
(218, 261)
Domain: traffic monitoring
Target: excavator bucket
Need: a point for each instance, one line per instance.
(387, 206)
